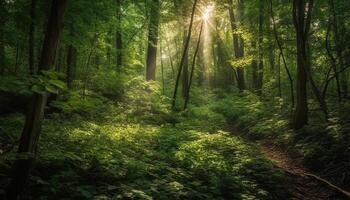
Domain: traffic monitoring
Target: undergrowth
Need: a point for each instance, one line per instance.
(322, 146)
(96, 148)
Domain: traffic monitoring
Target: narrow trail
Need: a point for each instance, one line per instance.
(302, 184)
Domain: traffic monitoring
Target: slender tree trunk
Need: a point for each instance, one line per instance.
(333, 64)
(170, 58)
(162, 66)
(339, 48)
(185, 51)
(118, 36)
(193, 66)
(291, 83)
(185, 68)
(17, 59)
(3, 15)
(31, 37)
(279, 76)
(238, 44)
(71, 64)
(152, 41)
(302, 20)
(261, 51)
(32, 128)
(254, 66)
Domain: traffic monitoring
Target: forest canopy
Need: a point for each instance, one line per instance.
(174, 99)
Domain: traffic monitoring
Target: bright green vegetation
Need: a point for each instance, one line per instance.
(119, 153)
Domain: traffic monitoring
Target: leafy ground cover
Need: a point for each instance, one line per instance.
(95, 148)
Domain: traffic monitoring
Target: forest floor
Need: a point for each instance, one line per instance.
(302, 183)
(138, 149)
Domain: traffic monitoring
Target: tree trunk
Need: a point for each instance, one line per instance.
(31, 37)
(32, 128)
(170, 58)
(185, 68)
(118, 37)
(282, 55)
(152, 41)
(261, 54)
(238, 43)
(185, 51)
(339, 48)
(71, 64)
(333, 63)
(302, 19)
(162, 66)
(3, 15)
(187, 99)
(254, 67)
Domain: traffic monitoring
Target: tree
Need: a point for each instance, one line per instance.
(302, 18)
(118, 36)
(152, 40)
(32, 127)
(71, 64)
(184, 53)
(238, 43)
(187, 98)
(3, 12)
(31, 36)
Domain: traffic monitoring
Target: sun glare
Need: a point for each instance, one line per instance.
(206, 13)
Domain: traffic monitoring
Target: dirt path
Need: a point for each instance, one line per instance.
(302, 184)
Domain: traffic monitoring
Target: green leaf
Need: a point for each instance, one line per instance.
(38, 88)
(59, 84)
(51, 89)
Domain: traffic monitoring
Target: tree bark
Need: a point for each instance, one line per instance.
(339, 47)
(32, 128)
(302, 20)
(185, 51)
(261, 51)
(187, 99)
(162, 66)
(152, 41)
(3, 15)
(291, 83)
(119, 37)
(31, 37)
(238, 43)
(254, 67)
(185, 68)
(71, 64)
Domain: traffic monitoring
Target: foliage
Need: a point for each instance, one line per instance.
(83, 157)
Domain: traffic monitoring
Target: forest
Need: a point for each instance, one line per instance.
(175, 99)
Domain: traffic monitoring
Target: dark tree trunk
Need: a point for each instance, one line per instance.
(255, 72)
(185, 68)
(31, 37)
(162, 66)
(302, 19)
(339, 42)
(261, 51)
(152, 41)
(185, 51)
(3, 14)
(71, 64)
(32, 128)
(282, 55)
(333, 63)
(119, 37)
(238, 44)
(187, 99)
